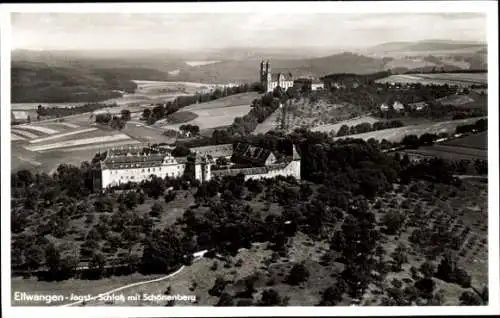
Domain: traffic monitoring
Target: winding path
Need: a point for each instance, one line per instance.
(197, 256)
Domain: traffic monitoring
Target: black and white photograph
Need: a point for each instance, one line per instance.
(317, 158)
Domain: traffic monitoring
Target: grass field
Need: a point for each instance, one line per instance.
(449, 152)
(46, 144)
(477, 141)
(215, 117)
(217, 113)
(468, 148)
(397, 134)
(181, 117)
(461, 79)
(229, 101)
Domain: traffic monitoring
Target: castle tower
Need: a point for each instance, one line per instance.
(296, 163)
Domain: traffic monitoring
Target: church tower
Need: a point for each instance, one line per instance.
(269, 80)
(262, 73)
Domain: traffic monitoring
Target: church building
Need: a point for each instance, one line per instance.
(271, 80)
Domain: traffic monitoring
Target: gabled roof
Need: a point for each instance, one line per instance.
(216, 151)
(131, 158)
(244, 152)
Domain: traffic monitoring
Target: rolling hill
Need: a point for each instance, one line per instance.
(247, 70)
(40, 82)
(427, 46)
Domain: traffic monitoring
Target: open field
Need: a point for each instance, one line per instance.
(57, 136)
(397, 134)
(477, 141)
(448, 152)
(44, 145)
(461, 79)
(467, 148)
(180, 117)
(349, 122)
(229, 101)
(78, 142)
(215, 117)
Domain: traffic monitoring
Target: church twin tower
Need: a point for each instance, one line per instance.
(270, 81)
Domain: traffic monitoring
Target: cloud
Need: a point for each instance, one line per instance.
(151, 30)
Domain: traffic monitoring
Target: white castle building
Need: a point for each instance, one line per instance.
(134, 164)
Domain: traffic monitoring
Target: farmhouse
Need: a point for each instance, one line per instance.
(271, 80)
(19, 117)
(398, 106)
(418, 106)
(134, 164)
(317, 85)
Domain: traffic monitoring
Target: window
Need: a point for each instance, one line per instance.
(142, 170)
(132, 177)
(149, 169)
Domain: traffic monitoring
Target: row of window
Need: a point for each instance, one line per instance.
(143, 170)
(172, 174)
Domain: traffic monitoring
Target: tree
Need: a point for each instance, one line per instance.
(393, 221)
(225, 300)
(411, 141)
(181, 151)
(399, 256)
(146, 113)
(34, 257)
(156, 209)
(97, 264)
(219, 285)
(425, 287)
(343, 131)
(298, 274)
(52, 259)
(428, 269)
(469, 298)
(125, 115)
(271, 297)
(333, 295)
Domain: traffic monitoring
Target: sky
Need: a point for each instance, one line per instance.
(120, 31)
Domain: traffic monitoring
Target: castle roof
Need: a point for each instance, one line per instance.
(244, 152)
(216, 151)
(131, 158)
(247, 171)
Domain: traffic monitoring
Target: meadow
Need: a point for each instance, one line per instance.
(461, 79)
(216, 113)
(397, 134)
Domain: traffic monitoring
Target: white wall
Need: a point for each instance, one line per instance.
(117, 176)
(292, 169)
